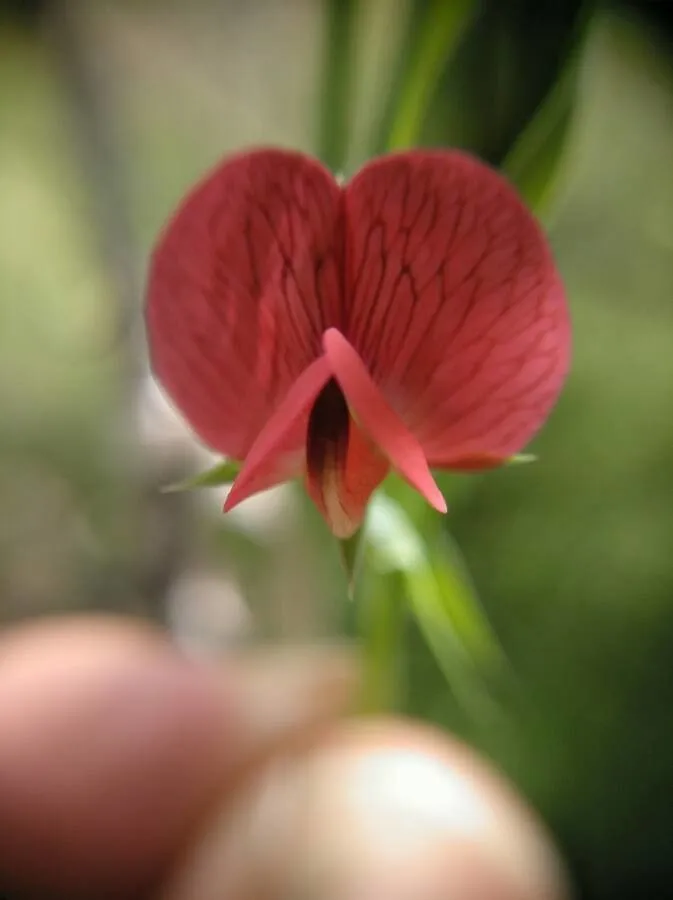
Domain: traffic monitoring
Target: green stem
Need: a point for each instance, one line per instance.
(443, 26)
(337, 83)
(381, 630)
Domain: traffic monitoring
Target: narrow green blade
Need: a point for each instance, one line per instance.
(535, 162)
(440, 597)
(222, 473)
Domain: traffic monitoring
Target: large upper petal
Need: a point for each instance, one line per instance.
(454, 304)
(243, 282)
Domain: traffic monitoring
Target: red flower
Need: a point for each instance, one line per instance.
(410, 319)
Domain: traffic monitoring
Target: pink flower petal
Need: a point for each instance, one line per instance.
(276, 454)
(377, 418)
(343, 467)
(454, 303)
(243, 282)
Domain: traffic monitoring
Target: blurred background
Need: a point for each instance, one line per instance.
(562, 670)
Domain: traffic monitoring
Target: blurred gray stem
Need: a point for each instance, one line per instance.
(153, 531)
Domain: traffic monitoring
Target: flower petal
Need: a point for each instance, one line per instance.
(277, 454)
(343, 467)
(454, 303)
(378, 419)
(243, 281)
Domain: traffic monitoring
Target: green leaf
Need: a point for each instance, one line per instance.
(521, 459)
(462, 606)
(440, 597)
(431, 45)
(223, 473)
(535, 161)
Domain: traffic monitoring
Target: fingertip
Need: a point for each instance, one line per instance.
(374, 809)
(114, 746)
(110, 744)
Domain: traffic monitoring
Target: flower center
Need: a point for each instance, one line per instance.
(328, 432)
(343, 467)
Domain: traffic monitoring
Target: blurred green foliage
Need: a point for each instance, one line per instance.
(571, 556)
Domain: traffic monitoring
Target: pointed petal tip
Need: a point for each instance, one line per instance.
(378, 419)
(439, 503)
(235, 496)
(426, 485)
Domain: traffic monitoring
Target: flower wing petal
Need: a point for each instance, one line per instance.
(277, 454)
(454, 303)
(377, 419)
(243, 281)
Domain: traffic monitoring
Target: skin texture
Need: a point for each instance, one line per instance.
(113, 746)
(128, 771)
(423, 290)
